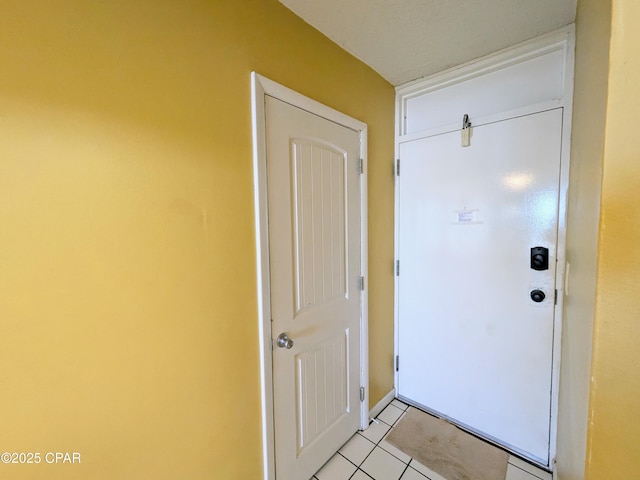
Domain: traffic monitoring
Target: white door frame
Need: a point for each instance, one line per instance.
(260, 88)
(563, 41)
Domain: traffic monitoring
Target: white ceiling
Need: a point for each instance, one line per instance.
(408, 39)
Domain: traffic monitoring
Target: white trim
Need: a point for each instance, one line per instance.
(563, 39)
(262, 270)
(364, 272)
(492, 62)
(275, 90)
(260, 88)
(378, 407)
(563, 204)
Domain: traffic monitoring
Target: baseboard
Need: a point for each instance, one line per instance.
(386, 400)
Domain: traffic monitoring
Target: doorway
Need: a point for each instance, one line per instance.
(478, 228)
(309, 165)
(513, 105)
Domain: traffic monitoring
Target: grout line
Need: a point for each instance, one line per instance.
(368, 440)
(369, 476)
(365, 458)
(394, 456)
(357, 467)
(376, 445)
(403, 471)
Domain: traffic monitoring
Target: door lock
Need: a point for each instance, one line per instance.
(283, 341)
(540, 258)
(537, 296)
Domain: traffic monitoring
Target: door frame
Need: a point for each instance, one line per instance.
(261, 87)
(524, 54)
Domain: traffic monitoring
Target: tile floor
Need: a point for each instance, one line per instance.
(367, 455)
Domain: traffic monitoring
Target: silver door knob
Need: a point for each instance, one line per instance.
(283, 341)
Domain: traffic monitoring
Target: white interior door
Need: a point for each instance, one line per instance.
(473, 344)
(314, 254)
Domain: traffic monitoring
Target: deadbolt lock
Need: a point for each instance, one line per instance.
(540, 258)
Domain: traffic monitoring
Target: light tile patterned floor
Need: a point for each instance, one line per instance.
(367, 455)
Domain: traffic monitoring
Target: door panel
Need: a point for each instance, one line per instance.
(473, 345)
(322, 398)
(314, 254)
(319, 223)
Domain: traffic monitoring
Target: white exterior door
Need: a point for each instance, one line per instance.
(314, 222)
(475, 330)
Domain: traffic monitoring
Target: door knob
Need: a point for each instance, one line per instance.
(283, 341)
(537, 296)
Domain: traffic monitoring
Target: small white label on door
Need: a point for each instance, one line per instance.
(466, 217)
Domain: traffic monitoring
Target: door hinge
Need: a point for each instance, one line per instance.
(398, 167)
(397, 363)
(555, 297)
(360, 166)
(361, 283)
(362, 394)
(397, 268)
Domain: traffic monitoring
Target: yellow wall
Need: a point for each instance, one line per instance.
(593, 29)
(128, 321)
(614, 431)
